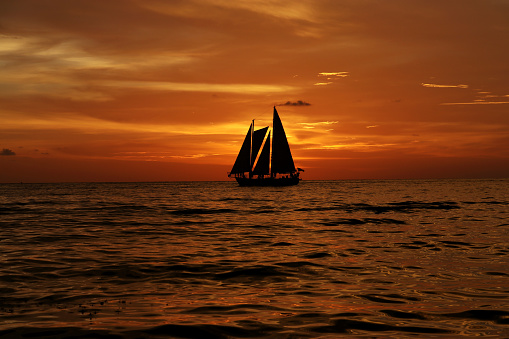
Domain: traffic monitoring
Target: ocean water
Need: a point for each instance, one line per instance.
(326, 259)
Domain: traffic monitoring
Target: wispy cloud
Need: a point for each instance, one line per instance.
(357, 146)
(282, 9)
(155, 156)
(285, 9)
(310, 125)
(484, 98)
(476, 103)
(443, 86)
(201, 87)
(77, 123)
(331, 77)
(334, 74)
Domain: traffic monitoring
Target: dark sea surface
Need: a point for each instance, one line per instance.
(328, 259)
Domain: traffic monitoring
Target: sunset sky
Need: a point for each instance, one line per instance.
(161, 90)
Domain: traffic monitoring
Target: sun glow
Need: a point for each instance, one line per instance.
(176, 81)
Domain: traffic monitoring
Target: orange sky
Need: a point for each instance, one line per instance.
(156, 90)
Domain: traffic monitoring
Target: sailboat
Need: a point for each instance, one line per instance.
(261, 162)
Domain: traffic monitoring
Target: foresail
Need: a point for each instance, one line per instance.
(243, 163)
(262, 165)
(282, 160)
(258, 137)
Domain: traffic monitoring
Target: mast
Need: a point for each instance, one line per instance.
(251, 151)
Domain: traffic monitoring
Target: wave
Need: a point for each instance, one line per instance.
(388, 298)
(303, 325)
(286, 322)
(212, 331)
(250, 330)
(260, 272)
(404, 206)
(239, 308)
(347, 326)
(199, 211)
(363, 221)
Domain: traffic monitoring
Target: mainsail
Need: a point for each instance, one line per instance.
(282, 160)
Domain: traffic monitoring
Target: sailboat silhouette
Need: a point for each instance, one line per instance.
(261, 162)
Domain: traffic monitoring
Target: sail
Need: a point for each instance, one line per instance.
(262, 166)
(258, 137)
(243, 163)
(282, 161)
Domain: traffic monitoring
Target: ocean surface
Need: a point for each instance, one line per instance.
(324, 259)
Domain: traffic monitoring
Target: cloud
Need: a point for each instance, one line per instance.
(7, 151)
(476, 103)
(483, 98)
(444, 86)
(281, 9)
(333, 74)
(296, 103)
(309, 125)
(331, 77)
(200, 87)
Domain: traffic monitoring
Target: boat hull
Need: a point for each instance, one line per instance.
(268, 181)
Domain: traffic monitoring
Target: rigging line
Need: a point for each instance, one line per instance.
(256, 117)
(262, 120)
